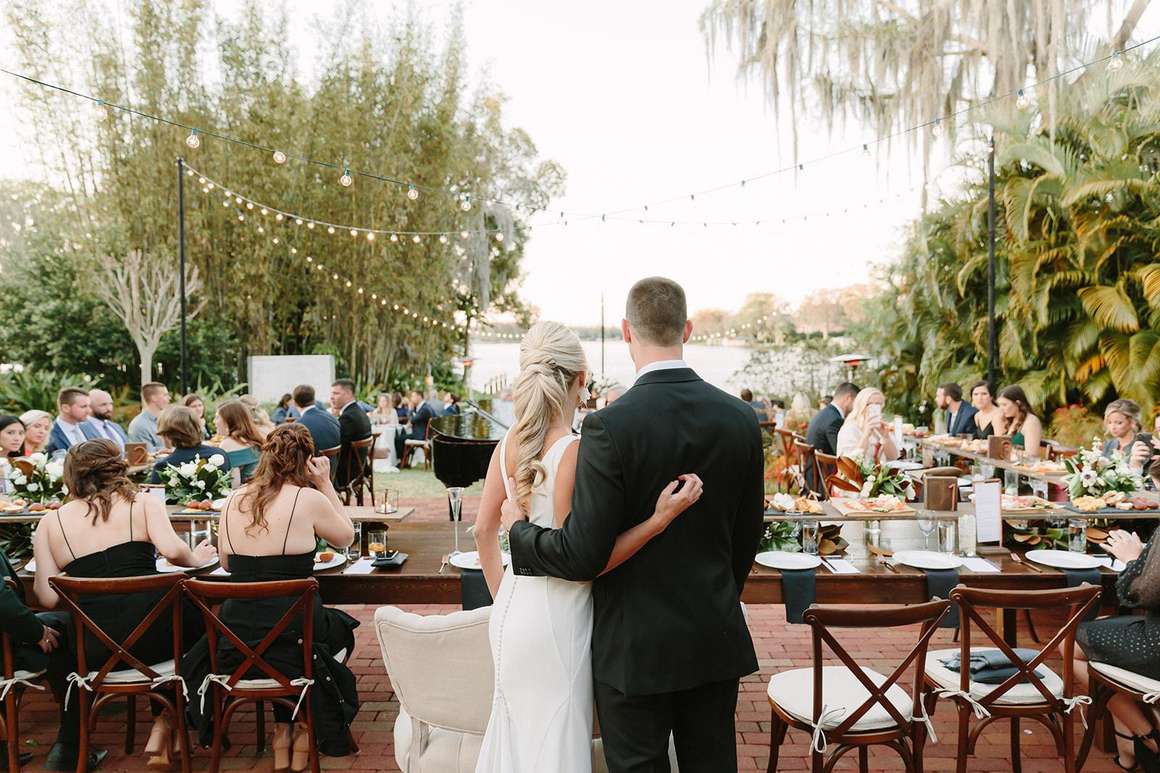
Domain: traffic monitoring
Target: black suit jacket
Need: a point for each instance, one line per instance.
(420, 419)
(670, 617)
(323, 428)
(18, 621)
(353, 424)
(822, 434)
(964, 420)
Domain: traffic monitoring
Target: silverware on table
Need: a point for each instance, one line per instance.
(1019, 560)
(443, 564)
(883, 562)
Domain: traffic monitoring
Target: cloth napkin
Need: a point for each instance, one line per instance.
(992, 666)
(799, 588)
(473, 590)
(1077, 577)
(940, 582)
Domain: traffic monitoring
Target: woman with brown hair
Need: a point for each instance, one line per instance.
(268, 531)
(196, 404)
(240, 439)
(108, 529)
(178, 426)
(988, 419)
(1024, 427)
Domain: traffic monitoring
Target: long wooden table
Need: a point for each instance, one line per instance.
(1055, 478)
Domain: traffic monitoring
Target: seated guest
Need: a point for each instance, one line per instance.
(1128, 642)
(109, 528)
(143, 428)
(11, 437)
(822, 433)
(240, 439)
(864, 432)
(37, 425)
(285, 410)
(401, 407)
(384, 414)
(421, 413)
(1023, 426)
(197, 405)
(988, 418)
(258, 414)
(1122, 423)
(268, 531)
(353, 424)
(451, 404)
(960, 416)
(826, 400)
(71, 426)
(322, 426)
(759, 407)
(101, 406)
(181, 431)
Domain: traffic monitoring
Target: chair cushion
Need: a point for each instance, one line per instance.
(793, 691)
(132, 675)
(1019, 694)
(28, 676)
(1127, 678)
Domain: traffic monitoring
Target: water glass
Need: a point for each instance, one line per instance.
(946, 536)
(1077, 535)
(809, 528)
(1011, 482)
(377, 543)
(987, 470)
(354, 550)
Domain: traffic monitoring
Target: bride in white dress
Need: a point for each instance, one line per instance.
(541, 627)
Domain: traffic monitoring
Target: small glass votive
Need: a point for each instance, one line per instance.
(389, 503)
(1077, 535)
(376, 543)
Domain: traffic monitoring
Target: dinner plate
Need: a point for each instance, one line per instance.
(165, 566)
(780, 559)
(470, 560)
(1063, 559)
(338, 560)
(927, 559)
(904, 465)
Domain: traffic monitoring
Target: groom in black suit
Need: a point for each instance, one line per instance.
(353, 425)
(669, 640)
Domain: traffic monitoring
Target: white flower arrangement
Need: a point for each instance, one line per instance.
(196, 480)
(37, 479)
(1090, 473)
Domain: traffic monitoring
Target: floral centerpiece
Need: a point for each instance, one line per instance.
(36, 479)
(877, 480)
(1090, 473)
(196, 480)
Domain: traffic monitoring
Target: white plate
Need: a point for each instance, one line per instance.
(1063, 559)
(338, 560)
(470, 560)
(217, 503)
(904, 465)
(927, 559)
(166, 567)
(30, 567)
(779, 559)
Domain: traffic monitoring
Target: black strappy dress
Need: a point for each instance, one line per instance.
(334, 697)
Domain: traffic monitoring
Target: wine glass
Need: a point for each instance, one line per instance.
(455, 500)
(926, 525)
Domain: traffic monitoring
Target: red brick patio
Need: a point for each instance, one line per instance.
(779, 647)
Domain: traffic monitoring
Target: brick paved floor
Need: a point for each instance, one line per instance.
(779, 647)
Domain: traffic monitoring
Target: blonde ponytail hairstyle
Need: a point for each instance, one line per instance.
(551, 359)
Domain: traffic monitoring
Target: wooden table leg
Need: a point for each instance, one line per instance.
(1008, 625)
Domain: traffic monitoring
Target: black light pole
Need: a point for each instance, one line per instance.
(181, 262)
(992, 331)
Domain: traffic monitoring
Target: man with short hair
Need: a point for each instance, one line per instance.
(323, 427)
(101, 406)
(353, 425)
(143, 428)
(822, 433)
(960, 416)
(71, 426)
(669, 638)
(421, 414)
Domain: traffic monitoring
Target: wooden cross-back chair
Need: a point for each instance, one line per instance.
(123, 674)
(1045, 699)
(851, 707)
(12, 686)
(808, 463)
(359, 471)
(228, 692)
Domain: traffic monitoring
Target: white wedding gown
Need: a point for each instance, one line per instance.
(541, 645)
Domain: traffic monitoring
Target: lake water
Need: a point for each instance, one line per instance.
(715, 364)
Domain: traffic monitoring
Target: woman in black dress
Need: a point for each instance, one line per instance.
(268, 531)
(109, 529)
(1131, 642)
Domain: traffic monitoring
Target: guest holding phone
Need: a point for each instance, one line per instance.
(864, 432)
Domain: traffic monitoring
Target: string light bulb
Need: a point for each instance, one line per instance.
(1115, 63)
(498, 236)
(416, 238)
(443, 238)
(463, 235)
(394, 237)
(465, 203)
(353, 232)
(1022, 100)
(194, 142)
(412, 192)
(330, 229)
(346, 180)
(279, 157)
(370, 236)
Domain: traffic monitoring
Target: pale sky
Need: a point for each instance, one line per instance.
(623, 95)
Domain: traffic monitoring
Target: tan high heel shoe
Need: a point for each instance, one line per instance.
(301, 757)
(161, 745)
(281, 747)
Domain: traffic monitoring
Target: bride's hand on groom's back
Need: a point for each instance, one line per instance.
(672, 503)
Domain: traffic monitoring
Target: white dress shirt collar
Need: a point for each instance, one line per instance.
(838, 408)
(661, 365)
(303, 410)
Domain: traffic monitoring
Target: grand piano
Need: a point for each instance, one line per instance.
(462, 445)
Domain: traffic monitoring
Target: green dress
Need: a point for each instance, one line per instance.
(246, 460)
(1016, 439)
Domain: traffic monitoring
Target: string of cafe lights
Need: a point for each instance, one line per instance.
(731, 332)
(279, 156)
(1114, 61)
(280, 216)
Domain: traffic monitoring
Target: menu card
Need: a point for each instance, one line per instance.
(988, 511)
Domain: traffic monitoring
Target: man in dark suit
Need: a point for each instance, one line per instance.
(669, 640)
(323, 427)
(822, 433)
(353, 425)
(421, 414)
(960, 415)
